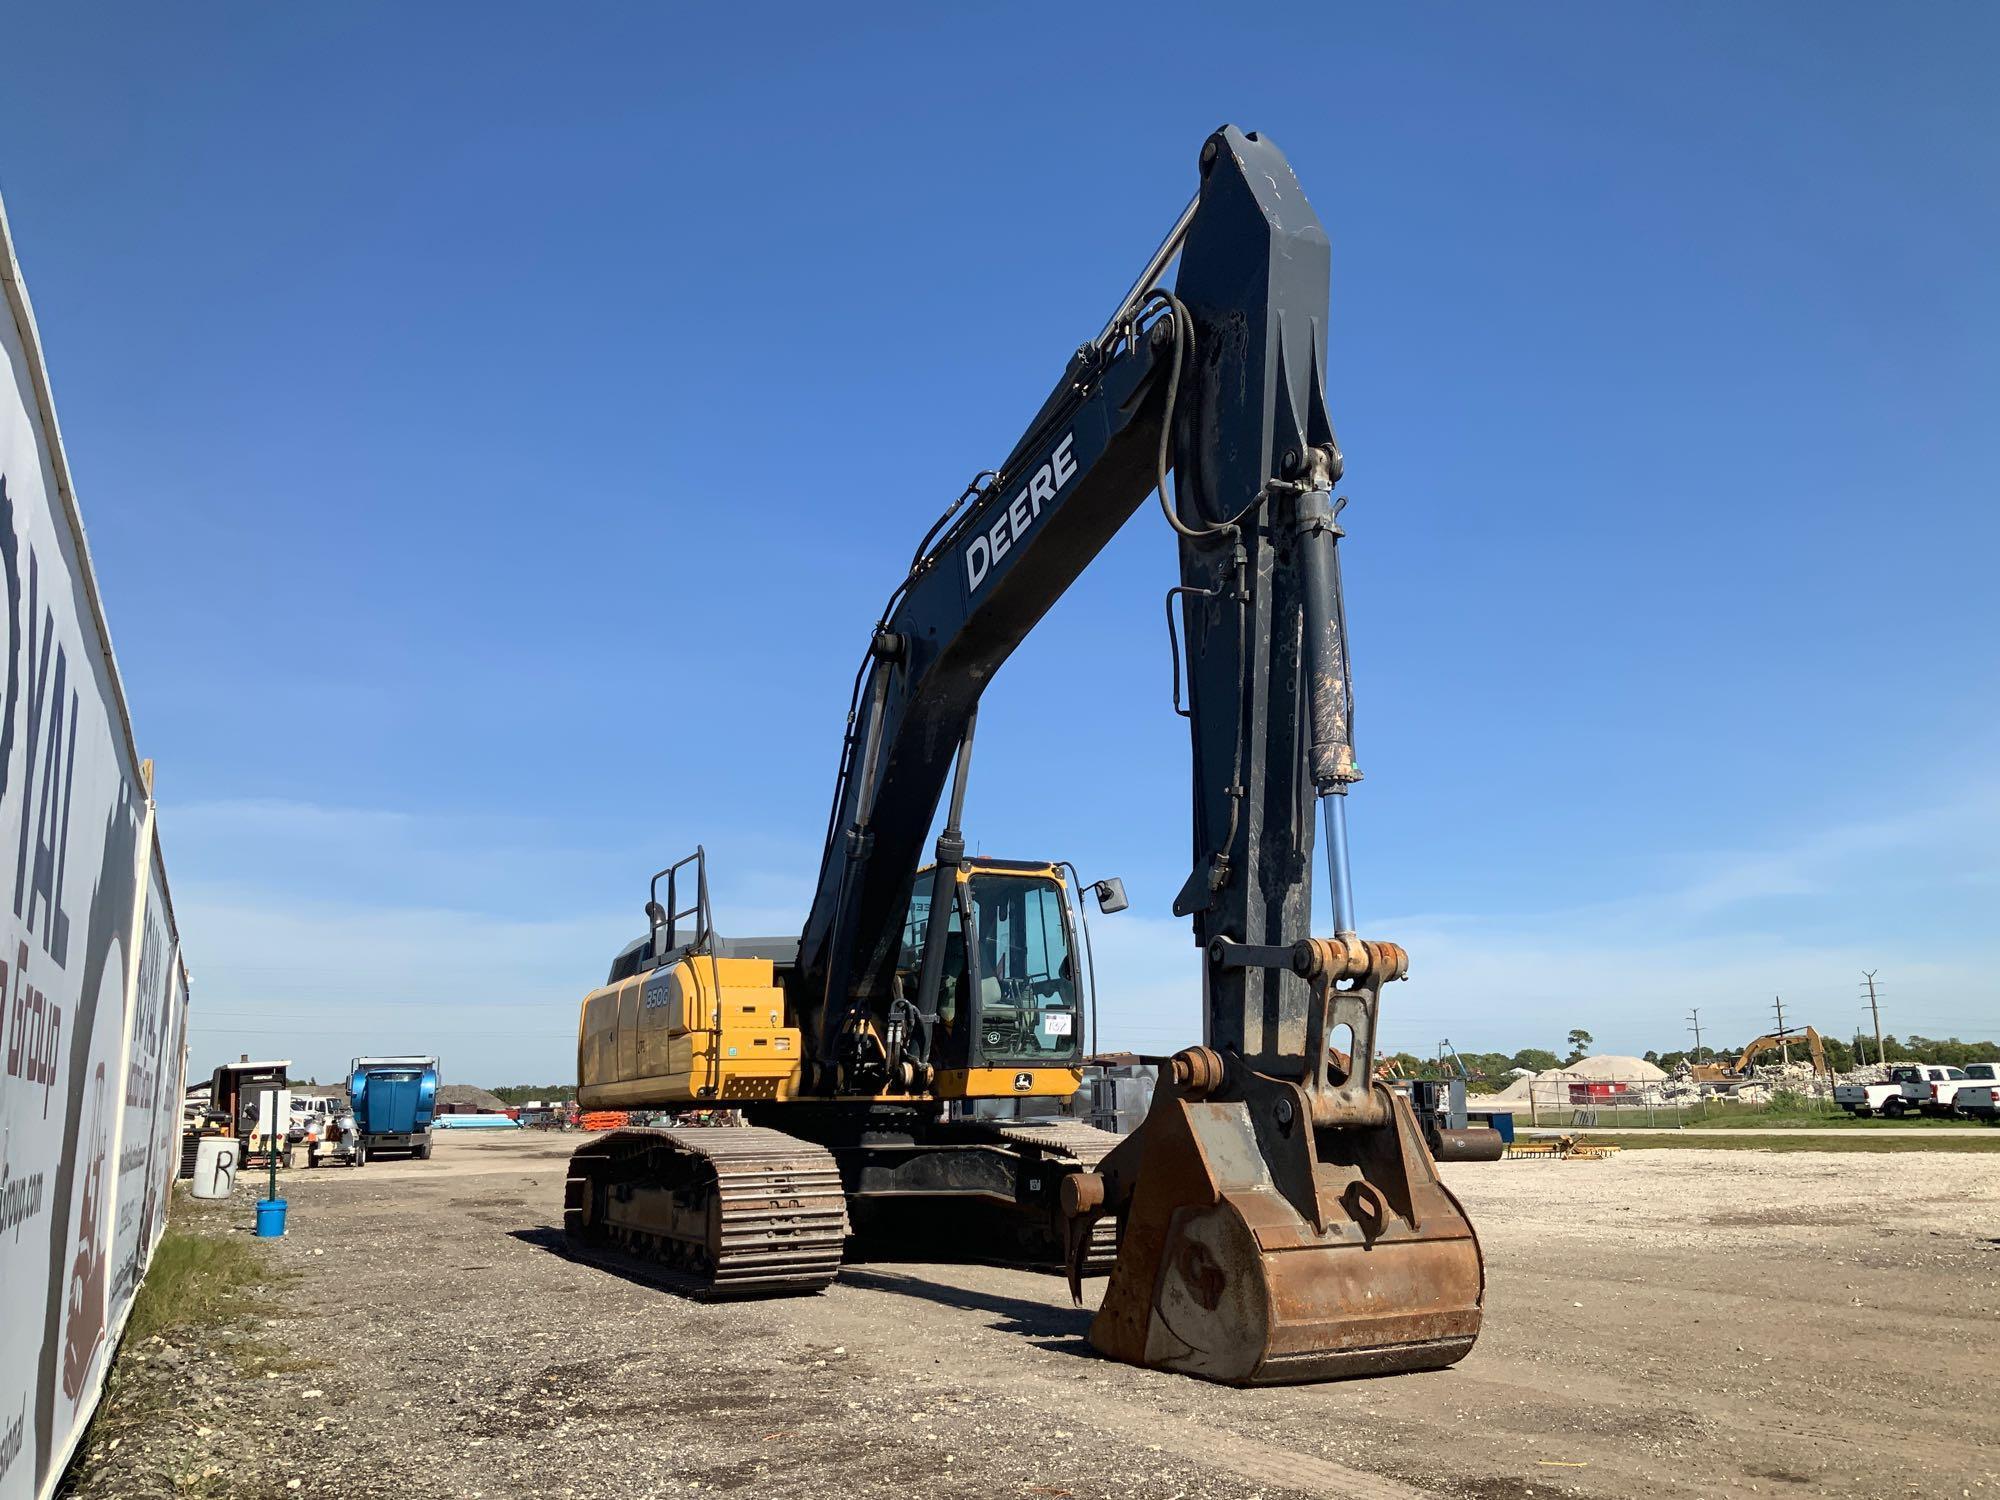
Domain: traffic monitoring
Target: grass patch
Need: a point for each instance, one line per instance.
(203, 1286)
(1780, 1141)
(1786, 1111)
(1796, 1111)
(1737, 1117)
(197, 1277)
(1838, 1120)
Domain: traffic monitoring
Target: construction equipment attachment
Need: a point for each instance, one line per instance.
(1279, 1230)
(1561, 1148)
(1591, 1151)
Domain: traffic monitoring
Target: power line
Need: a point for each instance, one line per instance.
(1875, 1010)
(1784, 1046)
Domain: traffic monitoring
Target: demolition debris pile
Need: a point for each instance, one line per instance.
(1613, 1081)
(1766, 1083)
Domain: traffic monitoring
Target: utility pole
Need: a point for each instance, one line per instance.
(1694, 1025)
(1784, 1047)
(1875, 1011)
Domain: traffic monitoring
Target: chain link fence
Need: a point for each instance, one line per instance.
(1636, 1103)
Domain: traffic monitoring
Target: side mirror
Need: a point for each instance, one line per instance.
(1110, 895)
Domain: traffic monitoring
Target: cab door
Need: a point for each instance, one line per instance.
(951, 1042)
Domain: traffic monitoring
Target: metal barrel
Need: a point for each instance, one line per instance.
(1478, 1143)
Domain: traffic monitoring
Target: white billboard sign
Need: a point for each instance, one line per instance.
(93, 1003)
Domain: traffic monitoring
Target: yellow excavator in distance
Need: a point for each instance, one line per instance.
(1725, 1073)
(1276, 1216)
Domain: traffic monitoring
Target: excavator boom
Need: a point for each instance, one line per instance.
(1222, 381)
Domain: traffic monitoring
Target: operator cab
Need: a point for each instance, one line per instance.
(1010, 996)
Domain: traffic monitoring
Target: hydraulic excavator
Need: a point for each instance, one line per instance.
(1276, 1217)
(1763, 1045)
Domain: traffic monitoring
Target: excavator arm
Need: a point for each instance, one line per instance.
(1774, 1043)
(1280, 1217)
(1239, 347)
(1017, 541)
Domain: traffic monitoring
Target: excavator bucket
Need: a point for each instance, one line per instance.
(1338, 1253)
(1274, 1232)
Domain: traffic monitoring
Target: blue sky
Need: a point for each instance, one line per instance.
(498, 427)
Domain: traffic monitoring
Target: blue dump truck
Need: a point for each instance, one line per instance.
(394, 1099)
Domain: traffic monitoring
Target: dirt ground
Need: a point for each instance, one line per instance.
(1660, 1324)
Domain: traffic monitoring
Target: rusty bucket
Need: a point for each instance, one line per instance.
(1259, 1247)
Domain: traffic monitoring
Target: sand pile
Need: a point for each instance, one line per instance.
(1611, 1067)
(1553, 1085)
(1544, 1085)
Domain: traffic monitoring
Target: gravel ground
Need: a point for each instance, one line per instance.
(1663, 1323)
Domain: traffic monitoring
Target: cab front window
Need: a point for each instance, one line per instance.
(1027, 973)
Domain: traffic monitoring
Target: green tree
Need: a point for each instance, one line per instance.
(1579, 1042)
(1947, 1050)
(1535, 1059)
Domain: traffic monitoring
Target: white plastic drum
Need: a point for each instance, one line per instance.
(215, 1161)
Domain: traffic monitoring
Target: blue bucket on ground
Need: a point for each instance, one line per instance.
(270, 1218)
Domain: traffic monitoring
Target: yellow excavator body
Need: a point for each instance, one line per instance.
(703, 1031)
(763, 1208)
(711, 1033)
(708, 1031)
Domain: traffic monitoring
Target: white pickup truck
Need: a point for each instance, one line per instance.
(1908, 1089)
(1948, 1095)
(1979, 1101)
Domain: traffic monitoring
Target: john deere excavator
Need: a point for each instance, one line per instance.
(1276, 1217)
